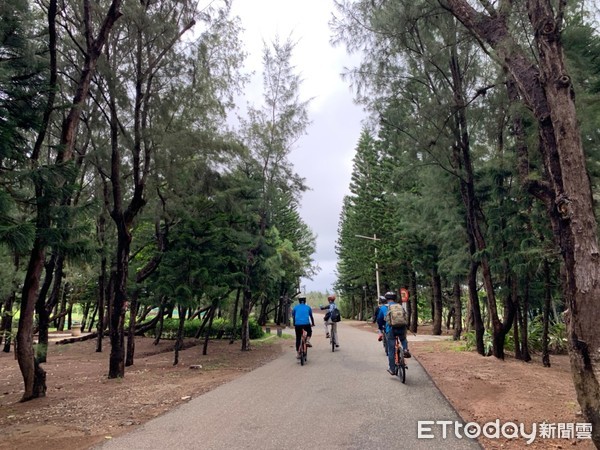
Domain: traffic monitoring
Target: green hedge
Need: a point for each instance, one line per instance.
(220, 328)
(557, 338)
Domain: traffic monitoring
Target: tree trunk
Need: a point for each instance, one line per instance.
(546, 89)
(102, 282)
(33, 374)
(92, 318)
(42, 313)
(457, 310)
(464, 166)
(414, 310)
(546, 314)
(161, 318)
(436, 294)
(179, 340)
(246, 305)
(119, 306)
(133, 310)
(524, 322)
(211, 314)
(6, 322)
(204, 323)
(516, 338)
(263, 315)
(474, 302)
(48, 306)
(512, 282)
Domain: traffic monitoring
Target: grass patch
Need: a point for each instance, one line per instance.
(441, 346)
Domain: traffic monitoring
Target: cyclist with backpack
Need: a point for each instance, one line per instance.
(332, 317)
(393, 328)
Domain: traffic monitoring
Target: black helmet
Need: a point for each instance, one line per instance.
(389, 295)
(302, 299)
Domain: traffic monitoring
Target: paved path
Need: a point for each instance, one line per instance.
(338, 400)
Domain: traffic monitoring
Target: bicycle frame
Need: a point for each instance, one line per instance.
(399, 360)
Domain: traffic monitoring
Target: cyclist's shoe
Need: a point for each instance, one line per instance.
(380, 338)
(406, 354)
(308, 344)
(337, 345)
(327, 336)
(391, 372)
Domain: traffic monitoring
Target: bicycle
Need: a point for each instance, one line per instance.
(303, 348)
(333, 336)
(399, 360)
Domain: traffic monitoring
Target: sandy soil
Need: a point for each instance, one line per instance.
(83, 407)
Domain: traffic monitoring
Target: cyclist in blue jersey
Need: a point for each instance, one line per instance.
(382, 301)
(303, 318)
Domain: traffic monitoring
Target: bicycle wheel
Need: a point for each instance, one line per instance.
(332, 340)
(303, 349)
(400, 367)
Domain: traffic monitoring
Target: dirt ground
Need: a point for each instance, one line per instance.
(83, 407)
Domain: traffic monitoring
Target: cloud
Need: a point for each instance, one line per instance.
(324, 155)
(324, 158)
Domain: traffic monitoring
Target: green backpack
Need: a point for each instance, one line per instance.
(396, 316)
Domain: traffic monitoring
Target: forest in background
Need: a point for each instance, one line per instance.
(475, 184)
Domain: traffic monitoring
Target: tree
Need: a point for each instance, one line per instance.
(162, 105)
(364, 213)
(46, 189)
(23, 89)
(270, 133)
(545, 86)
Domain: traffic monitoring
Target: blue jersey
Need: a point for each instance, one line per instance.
(381, 316)
(302, 314)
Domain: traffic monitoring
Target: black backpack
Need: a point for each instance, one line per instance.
(335, 315)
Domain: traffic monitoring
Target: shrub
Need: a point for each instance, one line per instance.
(557, 335)
(220, 327)
(170, 327)
(471, 344)
(557, 338)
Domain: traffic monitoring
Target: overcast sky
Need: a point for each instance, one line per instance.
(324, 155)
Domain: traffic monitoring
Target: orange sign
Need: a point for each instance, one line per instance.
(404, 294)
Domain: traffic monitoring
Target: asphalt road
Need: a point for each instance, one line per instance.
(338, 400)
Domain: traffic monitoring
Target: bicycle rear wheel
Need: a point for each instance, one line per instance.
(303, 350)
(332, 340)
(400, 367)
